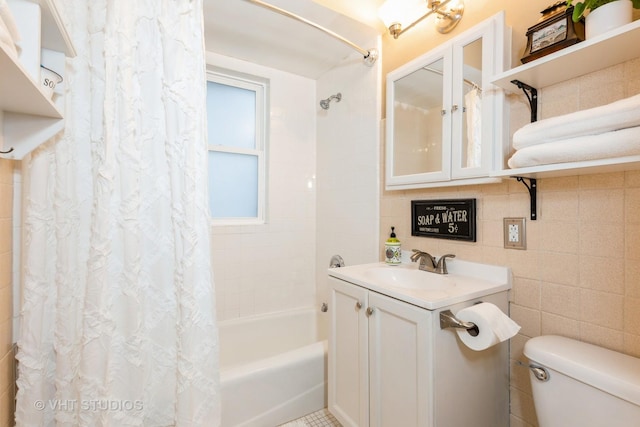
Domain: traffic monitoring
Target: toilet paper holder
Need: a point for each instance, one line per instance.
(448, 320)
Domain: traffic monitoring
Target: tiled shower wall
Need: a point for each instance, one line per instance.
(579, 275)
(347, 155)
(322, 190)
(270, 267)
(7, 361)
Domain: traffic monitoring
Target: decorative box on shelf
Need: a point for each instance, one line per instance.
(554, 31)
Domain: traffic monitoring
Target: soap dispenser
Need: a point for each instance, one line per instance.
(392, 252)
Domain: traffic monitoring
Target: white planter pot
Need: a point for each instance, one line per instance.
(611, 15)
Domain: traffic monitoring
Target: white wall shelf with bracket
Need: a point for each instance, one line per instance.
(28, 117)
(614, 47)
(617, 46)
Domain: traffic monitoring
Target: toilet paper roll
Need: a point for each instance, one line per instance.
(493, 326)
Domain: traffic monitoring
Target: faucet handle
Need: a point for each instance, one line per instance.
(416, 254)
(441, 267)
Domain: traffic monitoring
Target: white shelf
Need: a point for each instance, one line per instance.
(617, 46)
(614, 47)
(19, 93)
(28, 117)
(54, 33)
(617, 164)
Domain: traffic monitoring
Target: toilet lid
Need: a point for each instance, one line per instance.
(615, 373)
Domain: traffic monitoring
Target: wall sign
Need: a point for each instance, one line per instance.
(444, 219)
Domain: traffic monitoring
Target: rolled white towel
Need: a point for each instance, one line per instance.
(620, 143)
(617, 115)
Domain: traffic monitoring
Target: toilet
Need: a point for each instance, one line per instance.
(576, 384)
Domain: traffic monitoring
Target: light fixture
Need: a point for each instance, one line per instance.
(400, 15)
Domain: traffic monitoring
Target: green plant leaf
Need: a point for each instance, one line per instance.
(578, 11)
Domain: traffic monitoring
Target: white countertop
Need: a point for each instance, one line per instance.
(465, 281)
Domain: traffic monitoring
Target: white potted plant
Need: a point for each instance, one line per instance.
(603, 15)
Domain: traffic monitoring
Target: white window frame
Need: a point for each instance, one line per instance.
(260, 87)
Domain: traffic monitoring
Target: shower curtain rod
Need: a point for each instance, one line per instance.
(370, 55)
(467, 81)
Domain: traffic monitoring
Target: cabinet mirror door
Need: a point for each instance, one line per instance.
(470, 86)
(473, 108)
(418, 123)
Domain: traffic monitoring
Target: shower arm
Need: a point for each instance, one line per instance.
(325, 102)
(370, 55)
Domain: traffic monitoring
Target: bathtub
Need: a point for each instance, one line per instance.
(273, 367)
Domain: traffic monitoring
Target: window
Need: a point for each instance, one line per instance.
(236, 112)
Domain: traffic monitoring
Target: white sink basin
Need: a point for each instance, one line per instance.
(409, 278)
(465, 281)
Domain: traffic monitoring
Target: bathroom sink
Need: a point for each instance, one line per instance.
(409, 278)
(466, 280)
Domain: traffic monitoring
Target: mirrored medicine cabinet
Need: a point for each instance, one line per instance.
(445, 120)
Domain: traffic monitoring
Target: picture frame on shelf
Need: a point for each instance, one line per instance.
(554, 31)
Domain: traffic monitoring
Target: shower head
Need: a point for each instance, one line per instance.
(325, 102)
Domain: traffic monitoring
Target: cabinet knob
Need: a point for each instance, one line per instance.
(358, 306)
(443, 112)
(369, 311)
(454, 108)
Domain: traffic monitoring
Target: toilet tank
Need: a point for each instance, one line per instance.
(587, 385)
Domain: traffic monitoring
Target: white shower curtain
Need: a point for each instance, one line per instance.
(118, 322)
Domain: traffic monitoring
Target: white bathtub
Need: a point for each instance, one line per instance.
(273, 367)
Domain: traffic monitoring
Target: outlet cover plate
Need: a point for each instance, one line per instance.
(515, 236)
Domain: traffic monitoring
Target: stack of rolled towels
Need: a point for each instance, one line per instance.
(608, 131)
(9, 35)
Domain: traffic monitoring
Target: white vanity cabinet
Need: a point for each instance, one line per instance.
(377, 353)
(390, 364)
(444, 119)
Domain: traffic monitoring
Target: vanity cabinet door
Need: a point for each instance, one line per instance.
(380, 360)
(400, 361)
(348, 378)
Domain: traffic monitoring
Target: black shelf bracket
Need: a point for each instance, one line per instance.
(532, 95)
(533, 194)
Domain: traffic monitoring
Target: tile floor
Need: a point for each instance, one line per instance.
(321, 418)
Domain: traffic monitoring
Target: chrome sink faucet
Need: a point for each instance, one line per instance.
(429, 263)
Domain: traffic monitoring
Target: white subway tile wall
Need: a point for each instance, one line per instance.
(265, 268)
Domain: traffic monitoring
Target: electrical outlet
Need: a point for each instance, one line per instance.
(514, 233)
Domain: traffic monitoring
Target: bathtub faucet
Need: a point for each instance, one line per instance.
(429, 263)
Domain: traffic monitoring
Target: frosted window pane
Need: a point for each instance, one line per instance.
(231, 116)
(233, 185)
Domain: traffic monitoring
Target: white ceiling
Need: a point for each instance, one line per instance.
(365, 11)
(243, 30)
